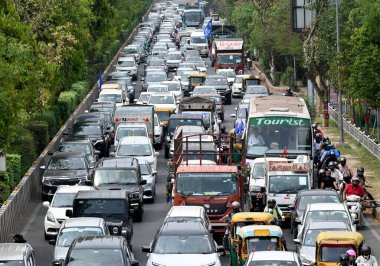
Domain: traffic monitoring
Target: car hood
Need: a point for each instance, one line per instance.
(184, 259)
(148, 178)
(60, 252)
(258, 182)
(59, 213)
(65, 173)
(307, 252)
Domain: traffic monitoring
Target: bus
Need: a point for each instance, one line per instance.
(193, 18)
(278, 126)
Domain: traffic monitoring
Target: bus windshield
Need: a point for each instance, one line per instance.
(275, 134)
(192, 18)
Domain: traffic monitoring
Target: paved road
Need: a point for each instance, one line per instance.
(154, 214)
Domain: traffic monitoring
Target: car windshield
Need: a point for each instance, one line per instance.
(327, 215)
(258, 171)
(67, 235)
(199, 64)
(215, 81)
(184, 244)
(174, 122)
(75, 147)
(63, 200)
(307, 199)
(96, 256)
(11, 263)
(101, 208)
(155, 77)
(203, 90)
(261, 244)
(67, 163)
(238, 79)
(181, 71)
(174, 56)
(157, 89)
(174, 86)
(130, 131)
(332, 253)
(128, 63)
(272, 262)
(157, 63)
(198, 40)
(144, 168)
(115, 98)
(130, 50)
(311, 235)
(256, 90)
(87, 129)
(163, 115)
(115, 176)
(227, 74)
(161, 99)
(144, 97)
(134, 150)
(229, 59)
(205, 184)
(287, 184)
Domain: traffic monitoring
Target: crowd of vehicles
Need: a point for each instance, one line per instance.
(238, 187)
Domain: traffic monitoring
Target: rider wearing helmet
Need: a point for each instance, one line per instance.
(335, 173)
(274, 209)
(351, 257)
(235, 209)
(366, 257)
(343, 260)
(343, 166)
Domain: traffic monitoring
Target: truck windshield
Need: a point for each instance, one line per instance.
(286, 184)
(101, 208)
(174, 123)
(110, 176)
(205, 184)
(229, 59)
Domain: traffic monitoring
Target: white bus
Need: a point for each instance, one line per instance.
(278, 126)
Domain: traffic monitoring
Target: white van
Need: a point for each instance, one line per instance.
(198, 40)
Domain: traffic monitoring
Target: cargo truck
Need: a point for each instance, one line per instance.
(229, 53)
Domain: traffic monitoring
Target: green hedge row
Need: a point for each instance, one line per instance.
(10, 178)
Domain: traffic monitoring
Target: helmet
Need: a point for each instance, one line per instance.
(351, 252)
(223, 129)
(331, 164)
(360, 170)
(318, 137)
(342, 159)
(321, 171)
(235, 205)
(343, 257)
(366, 250)
(271, 203)
(315, 126)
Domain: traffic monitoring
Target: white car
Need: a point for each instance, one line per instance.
(115, 96)
(56, 214)
(173, 60)
(157, 89)
(130, 129)
(138, 147)
(175, 88)
(237, 86)
(163, 100)
(274, 258)
(74, 228)
(144, 98)
(127, 64)
(189, 213)
(228, 73)
(185, 244)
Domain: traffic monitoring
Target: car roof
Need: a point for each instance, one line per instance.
(183, 227)
(134, 140)
(271, 255)
(72, 189)
(326, 207)
(83, 221)
(330, 225)
(120, 162)
(13, 251)
(317, 192)
(185, 211)
(102, 194)
(67, 154)
(96, 242)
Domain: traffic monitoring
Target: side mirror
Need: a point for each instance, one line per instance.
(154, 172)
(297, 241)
(142, 182)
(297, 221)
(52, 242)
(178, 102)
(97, 152)
(46, 204)
(135, 100)
(270, 93)
(69, 213)
(43, 167)
(220, 249)
(233, 115)
(134, 83)
(156, 153)
(145, 249)
(142, 79)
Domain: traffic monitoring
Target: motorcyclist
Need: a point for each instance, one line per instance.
(343, 166)
(343, 260)
(363, 181)
(351, 257)
(288, 92)
(335, 173)
(321, 176)
(354, 189)
(366, 257)
(318, 141)
(235, 209)
(317, 130)
(274, 209)
(328, 182)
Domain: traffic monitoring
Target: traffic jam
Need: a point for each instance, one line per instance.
(182, 122)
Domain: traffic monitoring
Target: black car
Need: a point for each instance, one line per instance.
(96, 132)
(99, 250)
(122, 173)
(65, 168)
(221, 85)
(108, 107)
(111, 205)
(305, 197)
(105, 118)
(84, 146)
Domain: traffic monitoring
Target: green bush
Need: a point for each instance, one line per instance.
(4, 191)
(40, 133)
(24, 145)
(81, 88)
(49, 117)
(14, 169)
(287, 77)
(67, 102)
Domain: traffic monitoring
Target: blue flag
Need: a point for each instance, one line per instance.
(237, 127)
(100, 80)
(207, 30)
(241, 127)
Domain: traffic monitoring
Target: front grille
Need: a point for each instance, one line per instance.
(58, 182)
(213, 208)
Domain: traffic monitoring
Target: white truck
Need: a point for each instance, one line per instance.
(285, 179)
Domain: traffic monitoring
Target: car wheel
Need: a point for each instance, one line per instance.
(47, 237)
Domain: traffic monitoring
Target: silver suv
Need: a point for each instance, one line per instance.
(15, 253)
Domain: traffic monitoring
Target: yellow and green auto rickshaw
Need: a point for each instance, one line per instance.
(250, 80)
(331, 244)
(258, 238)
(240, 220)
(195, 79)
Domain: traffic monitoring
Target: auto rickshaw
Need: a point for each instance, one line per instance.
(195, 79)
(240, 220)
(253, 238)
(331, 244)
(164, 114)
(250, 80)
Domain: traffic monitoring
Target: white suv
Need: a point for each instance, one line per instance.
(56, 214)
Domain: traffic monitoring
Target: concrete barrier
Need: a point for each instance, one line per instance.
(29, 188)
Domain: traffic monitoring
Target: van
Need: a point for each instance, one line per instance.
(198, 40)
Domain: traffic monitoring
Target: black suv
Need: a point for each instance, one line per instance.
(84, 146)
(221, 85)
(99, 250)
(111, 205)
(122, 173)
(96, 132)
(65, 168)
(101, 107)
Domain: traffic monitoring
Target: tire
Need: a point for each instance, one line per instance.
(47, 237)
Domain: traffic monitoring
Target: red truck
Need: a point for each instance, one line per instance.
(228, 53)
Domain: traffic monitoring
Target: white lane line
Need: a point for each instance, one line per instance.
(31, 220)
(371, 227)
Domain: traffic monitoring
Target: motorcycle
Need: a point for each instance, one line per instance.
(354, 206)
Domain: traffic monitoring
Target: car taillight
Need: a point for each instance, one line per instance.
(295, 205)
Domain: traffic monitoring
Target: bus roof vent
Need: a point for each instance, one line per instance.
(278, 109)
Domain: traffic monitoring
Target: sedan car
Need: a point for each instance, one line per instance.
(150, 176)
(273, 258)
(153, 78)
(166, 100)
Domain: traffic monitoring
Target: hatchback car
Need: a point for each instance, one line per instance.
(16, 254)
(189, 213)
(150, 177)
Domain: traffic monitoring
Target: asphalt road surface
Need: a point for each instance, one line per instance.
(154, 214)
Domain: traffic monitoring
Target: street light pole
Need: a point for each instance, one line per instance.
(341, 131)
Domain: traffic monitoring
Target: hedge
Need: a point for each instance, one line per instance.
(81, 88)
(49, 117)
(67, 102)
(25, 146)
(10, 178)
(40, 133)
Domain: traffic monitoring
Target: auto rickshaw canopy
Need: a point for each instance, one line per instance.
(260, 230)
(339, 236)
(263, 217)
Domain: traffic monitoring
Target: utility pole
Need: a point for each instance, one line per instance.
(341, 131)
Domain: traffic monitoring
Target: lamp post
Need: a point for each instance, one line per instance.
(341, 131)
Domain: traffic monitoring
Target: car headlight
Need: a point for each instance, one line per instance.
(306, 261)
(157, 264)
(50, 217)
(255, 189)
(134, 195)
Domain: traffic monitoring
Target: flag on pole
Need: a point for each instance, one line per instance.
(284, 153)
(100, 80)
(207, 30)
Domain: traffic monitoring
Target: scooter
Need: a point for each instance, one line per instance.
(354, 207)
